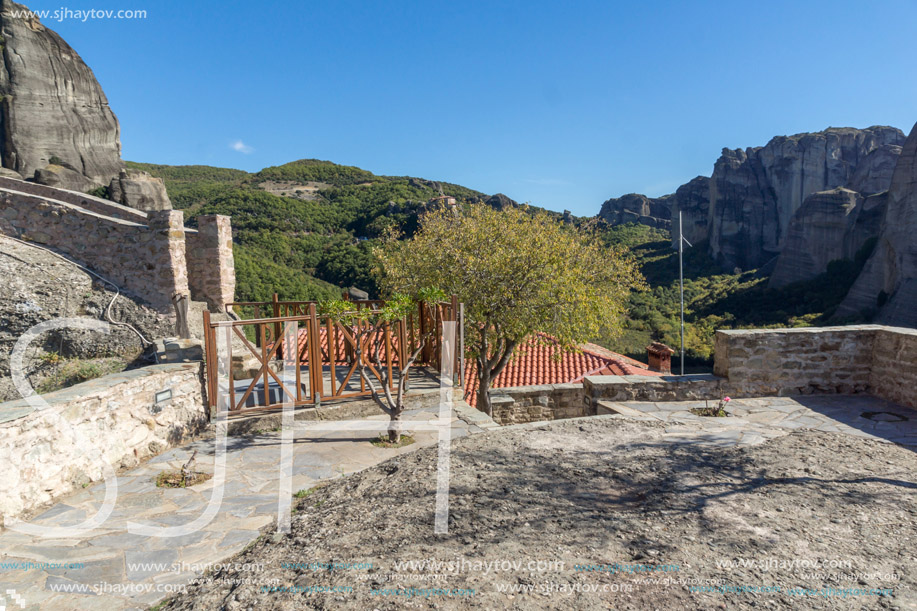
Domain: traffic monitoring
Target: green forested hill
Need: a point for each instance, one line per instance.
(714, 300)
(308, 245)
(306, 228)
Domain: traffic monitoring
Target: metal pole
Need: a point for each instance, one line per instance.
(681, 286)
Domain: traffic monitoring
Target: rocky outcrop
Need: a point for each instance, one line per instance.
(637, 208)
(755, 192)
(888, 282)
(52, 109)
(139, 190)
(693, 200)
(744, 210)
(830, 225)
(500, 202)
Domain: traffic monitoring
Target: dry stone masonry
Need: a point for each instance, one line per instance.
(150, 254)
(116, 420)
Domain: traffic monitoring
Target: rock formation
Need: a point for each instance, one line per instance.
(52, 110)
(830, 225)
(500, 202)
(693, 200)
(139, 190)
(888, 282)
(637, 208)
(755, 192)
(745, 208)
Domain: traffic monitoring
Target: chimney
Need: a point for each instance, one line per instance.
(659, 357)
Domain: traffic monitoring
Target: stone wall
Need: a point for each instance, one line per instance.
(93, 204)
(538, 403)
(147, 260)
(211, 270)
(151, 255)
(871, 359)
(876, 359)
(893, 374)
(796, 361)
(112, 420)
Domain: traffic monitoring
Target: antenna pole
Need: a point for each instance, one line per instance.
(681, 285)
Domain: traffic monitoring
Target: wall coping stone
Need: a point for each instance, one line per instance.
(20, 408)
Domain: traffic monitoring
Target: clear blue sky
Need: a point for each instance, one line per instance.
(558, 104)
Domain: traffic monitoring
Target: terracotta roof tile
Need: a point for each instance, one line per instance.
(540, 360)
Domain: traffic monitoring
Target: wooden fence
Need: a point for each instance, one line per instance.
(323, 357)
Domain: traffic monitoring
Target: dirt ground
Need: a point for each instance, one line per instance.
(810, 521)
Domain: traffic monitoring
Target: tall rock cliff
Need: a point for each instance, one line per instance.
(888, 281)
(830, 225)
(745, 209)
(54, 116)
(755, 192)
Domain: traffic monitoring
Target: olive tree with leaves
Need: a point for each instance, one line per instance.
(368, 327)
(517, 271)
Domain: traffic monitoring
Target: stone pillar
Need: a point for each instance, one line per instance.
(167, 258)
(659, 357)
(212, 275)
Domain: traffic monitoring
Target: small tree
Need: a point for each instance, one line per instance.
(368, 326)
(517, 271)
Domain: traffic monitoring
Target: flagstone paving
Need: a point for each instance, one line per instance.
(121, 570)
(754, 421)
(131, 571)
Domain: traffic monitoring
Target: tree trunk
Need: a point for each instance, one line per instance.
(394, 427)
(483, 394)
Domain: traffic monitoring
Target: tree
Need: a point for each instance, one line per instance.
(367, 327)
(517, 271)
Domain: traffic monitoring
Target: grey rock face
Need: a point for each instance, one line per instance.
(52, 108)
(139, 190)
(889, 279)
(830, 225)
(693, 199)
(62, 177)
(637, 208)
(745, 208)
(755, 193)
(500, 202)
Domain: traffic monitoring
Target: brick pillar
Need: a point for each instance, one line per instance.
(167, 250)
(212, 270)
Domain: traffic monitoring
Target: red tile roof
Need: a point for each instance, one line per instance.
(537, 362)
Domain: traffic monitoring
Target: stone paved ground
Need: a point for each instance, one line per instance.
(251, 491)
(754, 421)
(249, 504)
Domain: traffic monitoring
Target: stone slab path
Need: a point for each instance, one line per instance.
(112, 569)
(754, 421)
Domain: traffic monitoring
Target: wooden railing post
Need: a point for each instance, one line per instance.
(209, 363)
(315, 366)
(275, 302)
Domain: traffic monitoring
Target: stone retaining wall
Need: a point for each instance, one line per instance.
(147, 260)
(873, 359)
(153, 259)
(538, 403)
(797, 361)
(893, 374)
(89, 202)
(114, 420)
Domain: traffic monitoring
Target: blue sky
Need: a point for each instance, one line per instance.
(559, 104)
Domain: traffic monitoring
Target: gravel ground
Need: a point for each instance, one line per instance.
(652, 518)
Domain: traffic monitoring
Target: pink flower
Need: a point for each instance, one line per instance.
(727, 399)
